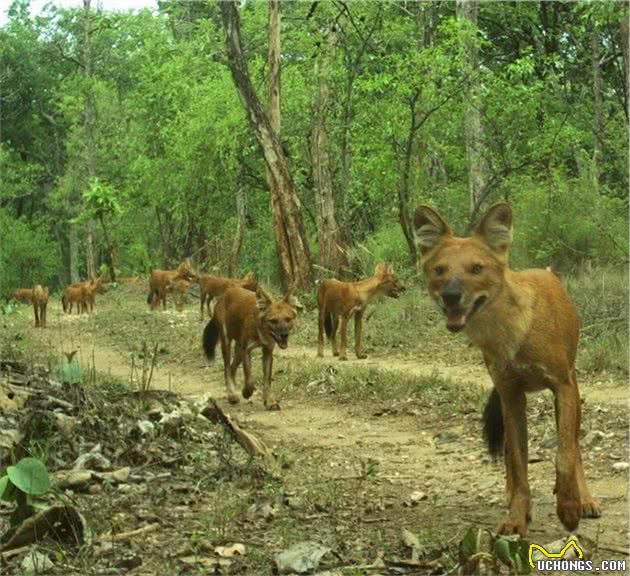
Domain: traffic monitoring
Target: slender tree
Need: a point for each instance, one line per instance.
(291, 243)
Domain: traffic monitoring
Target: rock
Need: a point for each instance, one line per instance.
(416, 497)
(230, 551)
(300, 558)
(117, 476)
(65, 423)
(77, 480)
(593, 438)
(146, 427)
(92, 460)
(620, 466)
(36, 563)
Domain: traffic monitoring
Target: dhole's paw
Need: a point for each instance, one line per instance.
(233, 398)
(273, 406)
(591, 508)
(511, 526)
(248, 391)
(569, 512)
(362, 356)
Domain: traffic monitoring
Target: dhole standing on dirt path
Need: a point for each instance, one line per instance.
(211, 287)
(40, 302)
(340, 300)
(160, 280)
(251, 320)
(527, 329)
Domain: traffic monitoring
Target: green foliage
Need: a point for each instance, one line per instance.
(27, 255)
(29, 475)
(172, 143)
(69, 371)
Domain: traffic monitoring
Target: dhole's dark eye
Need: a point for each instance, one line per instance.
(477, 269)
(439, 270)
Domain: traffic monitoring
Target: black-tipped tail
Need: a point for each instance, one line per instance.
(493, 424)
(210, 339)
(328, 324)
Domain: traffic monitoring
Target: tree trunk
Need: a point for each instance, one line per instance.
(294, 254)
(241, 211)
(625, 39)
(89, 120)
(73, 245)
(598, 105)
(473, 127)
(331, 255)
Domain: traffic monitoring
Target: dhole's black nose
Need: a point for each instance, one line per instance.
(451, 297)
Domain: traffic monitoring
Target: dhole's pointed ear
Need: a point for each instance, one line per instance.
(249, 276)
(381, 269)
(430, 228)
(263, 300)
(495, 228)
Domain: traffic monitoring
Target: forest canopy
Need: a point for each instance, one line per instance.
(124, 143)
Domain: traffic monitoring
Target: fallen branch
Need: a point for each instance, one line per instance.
(253, 445)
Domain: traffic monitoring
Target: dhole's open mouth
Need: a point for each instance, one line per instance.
(282, 340)
(456, 318)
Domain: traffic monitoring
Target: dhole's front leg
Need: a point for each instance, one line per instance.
(36, 313)
(333, 338)
(248, 385)
(228, 374)
(568, 497)
(267, 359)
(513, 404)
(202, 302)
(358, 329)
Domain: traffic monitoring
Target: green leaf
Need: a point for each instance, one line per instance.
(30, 476)
(7, 489)
(469, 543)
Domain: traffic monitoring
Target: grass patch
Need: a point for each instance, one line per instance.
(369, 384)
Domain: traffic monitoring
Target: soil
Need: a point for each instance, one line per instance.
(414, 448)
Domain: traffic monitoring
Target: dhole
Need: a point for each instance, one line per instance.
(23, 295)
(178, 289)
(71, 295)
(160, 279)
(251, 320)
(527, 329)
(340, 300)
(40, 302)
(211, 287)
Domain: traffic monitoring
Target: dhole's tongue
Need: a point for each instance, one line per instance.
(455, 321)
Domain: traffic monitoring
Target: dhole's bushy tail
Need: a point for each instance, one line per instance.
(210, 338)
(493, 424)
(328, 324)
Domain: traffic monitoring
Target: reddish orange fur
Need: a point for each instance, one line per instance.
(40, 302)
(160, 279)
(24, 295)
(211, 287)
(341, 300)
(527, 329)
(250, 320)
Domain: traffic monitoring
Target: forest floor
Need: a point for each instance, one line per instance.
(368, 447)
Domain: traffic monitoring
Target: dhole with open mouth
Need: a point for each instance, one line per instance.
(527, 329)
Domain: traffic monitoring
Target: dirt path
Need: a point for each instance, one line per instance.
(443, 459)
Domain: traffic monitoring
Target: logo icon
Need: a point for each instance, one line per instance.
(554, 555)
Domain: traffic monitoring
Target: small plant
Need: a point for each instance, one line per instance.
(28, 478)
(68, 371)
